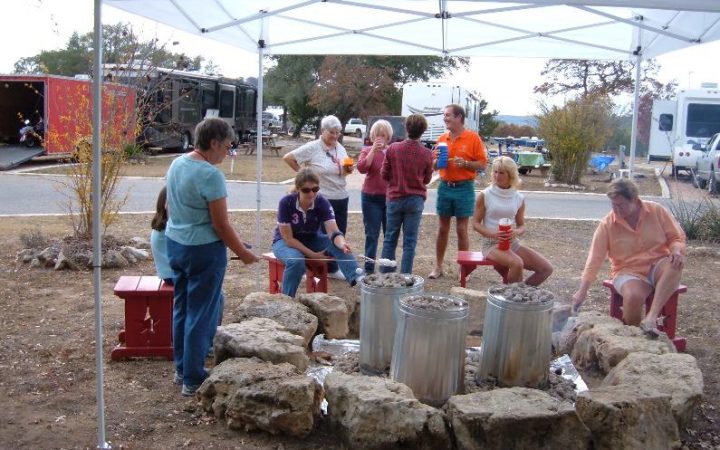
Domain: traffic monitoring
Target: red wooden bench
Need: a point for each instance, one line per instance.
(470, 260)
(148, 318)
(316, 273)
(668, 313)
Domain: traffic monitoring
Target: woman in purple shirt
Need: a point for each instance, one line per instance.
(298, 234)
(374, 187)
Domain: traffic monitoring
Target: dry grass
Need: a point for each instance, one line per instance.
(48, 356)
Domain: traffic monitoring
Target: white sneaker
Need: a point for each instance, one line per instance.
(338, 275)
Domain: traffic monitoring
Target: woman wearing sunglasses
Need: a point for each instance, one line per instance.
(298, 235)
(326, 156)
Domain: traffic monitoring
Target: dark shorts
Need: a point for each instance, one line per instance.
(456, 199)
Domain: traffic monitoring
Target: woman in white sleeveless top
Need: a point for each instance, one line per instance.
(502, 200)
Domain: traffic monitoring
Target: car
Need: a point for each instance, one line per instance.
(398, 126)
(707, 168)
(355, 126)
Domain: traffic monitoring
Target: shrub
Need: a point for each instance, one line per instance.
(699, 220)
(79, 184)
(34, 239)
(572, 131)
(134, 152)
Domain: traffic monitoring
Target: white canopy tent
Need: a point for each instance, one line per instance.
(576, 29)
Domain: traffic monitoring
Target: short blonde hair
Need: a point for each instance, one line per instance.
(379, 127)
(509, 166)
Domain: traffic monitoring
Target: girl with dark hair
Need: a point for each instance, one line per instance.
(158, 242)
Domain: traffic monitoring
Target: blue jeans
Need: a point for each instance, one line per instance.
(404, 212)
(199, 271)
(373, 210)
(294, 261)
(340, 208)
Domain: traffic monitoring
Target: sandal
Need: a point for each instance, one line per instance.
(650, 330)
(435, 275)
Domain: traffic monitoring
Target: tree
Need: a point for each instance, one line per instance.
(292, 81)
(573, 131)
(601, 79)
(514, 130)
(349, 88)
(289, 84)
(120, 46)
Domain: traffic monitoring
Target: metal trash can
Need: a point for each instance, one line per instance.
(517, 339)
(377, 323)
(429, 350)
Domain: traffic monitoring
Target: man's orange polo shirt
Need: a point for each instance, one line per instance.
(468, 146)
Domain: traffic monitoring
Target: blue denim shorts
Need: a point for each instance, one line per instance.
(456, 199)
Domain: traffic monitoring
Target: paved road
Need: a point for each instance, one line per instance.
(35, 194)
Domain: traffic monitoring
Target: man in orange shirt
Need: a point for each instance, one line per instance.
(456, 194)
(646, 247)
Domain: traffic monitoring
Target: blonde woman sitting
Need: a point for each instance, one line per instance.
(499, 201)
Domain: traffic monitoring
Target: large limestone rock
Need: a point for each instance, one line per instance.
(584, 321)
(333, 313)
(515, 418)
(622, 417)
(604, 346)
(674, 374)
(252, 394)
(374, 412)
(477, 301)
(294, 316)
(260, 337)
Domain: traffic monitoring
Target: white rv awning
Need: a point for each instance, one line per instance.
(586, 29)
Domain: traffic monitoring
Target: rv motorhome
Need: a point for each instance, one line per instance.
(430, 98)
(680, 128)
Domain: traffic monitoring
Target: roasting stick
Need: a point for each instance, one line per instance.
(381, 261)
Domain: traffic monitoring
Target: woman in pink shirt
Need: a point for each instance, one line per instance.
(646, 247)
(373, 191)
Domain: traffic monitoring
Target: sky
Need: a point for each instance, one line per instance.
(506, 83)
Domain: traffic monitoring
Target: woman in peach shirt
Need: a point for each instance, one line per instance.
(646, 247)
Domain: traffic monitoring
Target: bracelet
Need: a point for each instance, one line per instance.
(334, 235)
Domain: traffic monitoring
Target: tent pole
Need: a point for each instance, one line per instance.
(636, 101)
(97, 238)
(258, 152)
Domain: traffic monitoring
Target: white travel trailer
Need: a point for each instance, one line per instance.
(430, 98)
(680, 128)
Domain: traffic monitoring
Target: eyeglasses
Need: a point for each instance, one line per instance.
(307, 190)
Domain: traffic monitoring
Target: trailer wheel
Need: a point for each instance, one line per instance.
(523, 171)
(186, 142)
(358, 133)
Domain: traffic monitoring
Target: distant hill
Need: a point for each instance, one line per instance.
(517, 120)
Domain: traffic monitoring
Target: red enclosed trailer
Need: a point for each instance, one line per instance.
(62, 107)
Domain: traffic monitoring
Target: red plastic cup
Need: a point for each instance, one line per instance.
(504, 225)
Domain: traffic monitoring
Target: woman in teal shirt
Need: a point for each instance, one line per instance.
(198, 234)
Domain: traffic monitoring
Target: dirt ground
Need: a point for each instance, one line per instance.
(47, 360)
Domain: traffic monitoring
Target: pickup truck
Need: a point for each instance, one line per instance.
(355, 127)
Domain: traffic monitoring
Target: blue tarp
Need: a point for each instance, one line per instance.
(601, 162)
